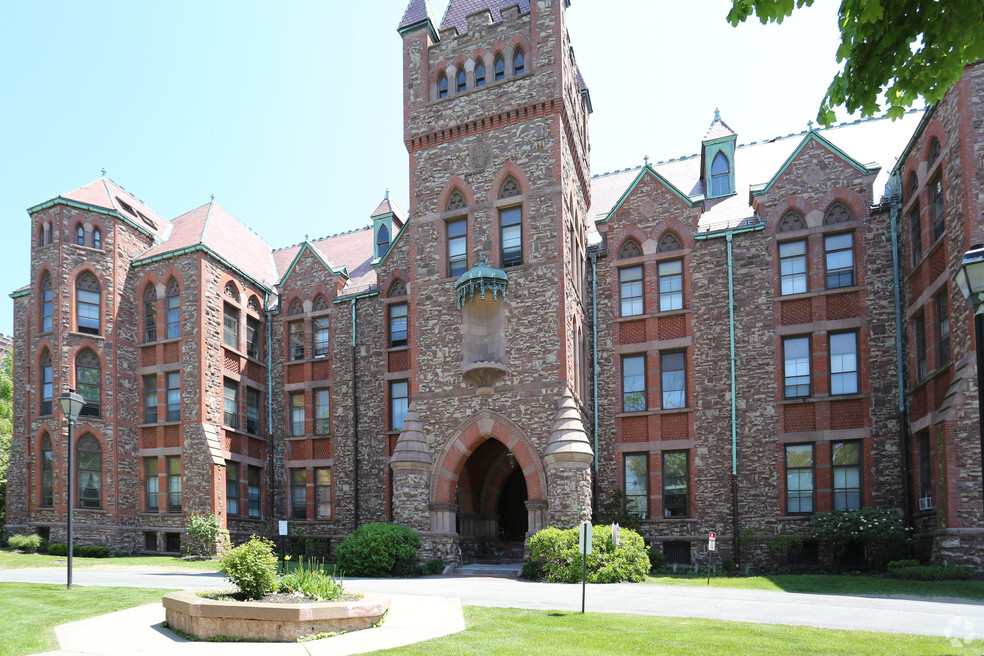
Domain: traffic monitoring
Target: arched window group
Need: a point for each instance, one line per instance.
(498, 74)
(80, 237)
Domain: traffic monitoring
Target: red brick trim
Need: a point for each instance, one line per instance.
(485, 124)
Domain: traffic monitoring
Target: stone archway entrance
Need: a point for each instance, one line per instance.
(492, 495)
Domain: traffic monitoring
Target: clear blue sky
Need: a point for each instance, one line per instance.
(291, 112)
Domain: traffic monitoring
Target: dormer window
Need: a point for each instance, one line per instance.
(480, 74)
(382, 241)
(442, 86)
(499, 69)
(462, 83)
(720, 176)
(519, 63)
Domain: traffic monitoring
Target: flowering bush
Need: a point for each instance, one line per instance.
(880, 530)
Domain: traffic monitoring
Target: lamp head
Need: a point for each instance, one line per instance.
(970, 277)
(71, 404)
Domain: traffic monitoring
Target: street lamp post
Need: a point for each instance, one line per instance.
(970, 279)
(71, 405)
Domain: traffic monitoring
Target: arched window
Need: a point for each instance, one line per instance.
(79, 235)
(462, 82)
(511, 225)
(97, 240)
(87, 296)
(479, 74)
(45, 376)
(150, 313)
(519, 63)
(47, 472)
(442, 86)
(41, 235)
(720, 175)
(382, 240)
(46, 303)
(88, 382)
(89, 458)
(913, 188)
(499, 68)
(173, 309)
(934, 150)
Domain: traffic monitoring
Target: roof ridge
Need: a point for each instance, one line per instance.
(311, 241)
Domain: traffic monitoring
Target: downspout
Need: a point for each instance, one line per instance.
(594, 354)
(355, 415)
(269, 397)
(903, 424)
(734, 384)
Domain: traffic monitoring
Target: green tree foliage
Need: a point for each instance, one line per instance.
(378, 550)
(559, 561)
(204, 527)
(252, 567)
(6, 429)
(906, 48)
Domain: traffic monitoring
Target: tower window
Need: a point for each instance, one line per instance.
(442, 86)
(480, 74)
(46, 303)
(88, 381)
(382, 241)
(720, 176)
(511, 222)
(87, 303)
(461, 83)
(80, 235)
(499, 69)
(96, 238)
(519, 63)
(457, 247)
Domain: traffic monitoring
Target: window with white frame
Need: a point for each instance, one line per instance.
(637, 484)
(630, 290)
(799, 479)
(792, 267)
(844, 363)
(846, 463)
(670, 285)
(633, 383)
(796, 366)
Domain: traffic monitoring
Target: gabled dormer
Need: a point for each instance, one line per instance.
(387, 220)
(717, 159)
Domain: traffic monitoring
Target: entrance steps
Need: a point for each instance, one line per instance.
(502, 571)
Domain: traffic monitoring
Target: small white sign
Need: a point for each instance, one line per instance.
(584, 538)
(616, 535)
(711, 537)
(282, 525)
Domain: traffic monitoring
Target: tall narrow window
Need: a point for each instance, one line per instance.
(637, 484)
(442, 86)
(252, 337)
(479, 74)
(297, 414)
(519, 63)
(230, 403)
(720, 175)
(675, 479)
(499, 69)
(232, 487)
(846, 461)
(844, 363)
(942, 328)
(511, 226)
(915, 235)
(919, 339)
(151, 486)
(87, 295)
(674, 378)
(89, 472)
(47, 388)
(382, 240)
(796, 366)
(936, 200)
(670, 285)
(457, 247)
(298, 494)
(792, 267)
(46, 303)
(461, 82)
(322, 492)
(322, 411)
(173, 309)
(399, 402)
(633, 383)
(47, 473)
(252, 411)
(799, 479)
(79, 235)
(174, 484)
(88, 381)
(840, 260)
(230, 326)
(297, 340)
(173, 379)
(150, 314)
(97, 239)
(150, 398)
(630, 290)
(322, 337)
(398, 324)
(925, 466)
(253, 490)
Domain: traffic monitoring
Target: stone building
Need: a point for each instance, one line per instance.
(718, 336)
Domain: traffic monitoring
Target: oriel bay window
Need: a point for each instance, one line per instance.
(670, 285)
(839, 250)
(637, 484)
(151, 485)
(676, 474)
(844, 363)
(457, 247)
(298, 494)
(398, 324)
(796, 366)
(173, 484)
(799, 479)
(673, 371)
(630, 290)
(846, 461)
(322, 492)
(792, 267)
(633, 383)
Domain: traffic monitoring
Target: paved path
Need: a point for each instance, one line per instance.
(946, 618)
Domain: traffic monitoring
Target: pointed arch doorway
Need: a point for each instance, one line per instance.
(492, 495)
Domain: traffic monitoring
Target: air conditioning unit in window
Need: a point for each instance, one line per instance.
(925, 503)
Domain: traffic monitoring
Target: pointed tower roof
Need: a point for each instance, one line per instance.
(388, 206)
(718, 128)
(458, 10)
(568, 444)
(418, 15)
(411, 447)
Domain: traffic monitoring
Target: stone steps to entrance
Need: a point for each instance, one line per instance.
(502, 571)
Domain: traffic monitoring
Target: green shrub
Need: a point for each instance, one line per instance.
(61, 549)
(931, 573)
(24, 542)
(557, 550)
(204, 527)
(898, 564)
(431, 567)
(310, 580)
(656, 559)
(94, 551)
(252, 567)
(378, 550)
(532, 570)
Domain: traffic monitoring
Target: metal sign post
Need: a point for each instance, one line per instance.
(584, 545)
(711, 537)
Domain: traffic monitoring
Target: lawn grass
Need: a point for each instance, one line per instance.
(514, 631)
(11, 559)
(31, 612)
(833, 584)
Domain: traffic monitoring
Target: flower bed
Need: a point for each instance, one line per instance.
(252, 620)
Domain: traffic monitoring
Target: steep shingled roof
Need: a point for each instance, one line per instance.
(459, 9)
(354, 250)
(106, 194)
(417, 12)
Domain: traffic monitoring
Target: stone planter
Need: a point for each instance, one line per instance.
(210, 618)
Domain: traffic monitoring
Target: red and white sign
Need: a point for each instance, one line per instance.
(711, 537)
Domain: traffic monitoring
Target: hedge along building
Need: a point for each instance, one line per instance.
(715, 335)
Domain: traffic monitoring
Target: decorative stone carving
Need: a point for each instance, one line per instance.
(509, 188)
(669, 242)
(837, 213)
(456, 201)
(791, 221)
(398, 288)
(480, 155)
(630, 248)
(296, 307)
(320, 303)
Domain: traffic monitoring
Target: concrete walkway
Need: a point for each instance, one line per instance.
(427, 604)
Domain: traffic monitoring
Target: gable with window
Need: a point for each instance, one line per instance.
(87, 300)
(88, 382)
(720, 175)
